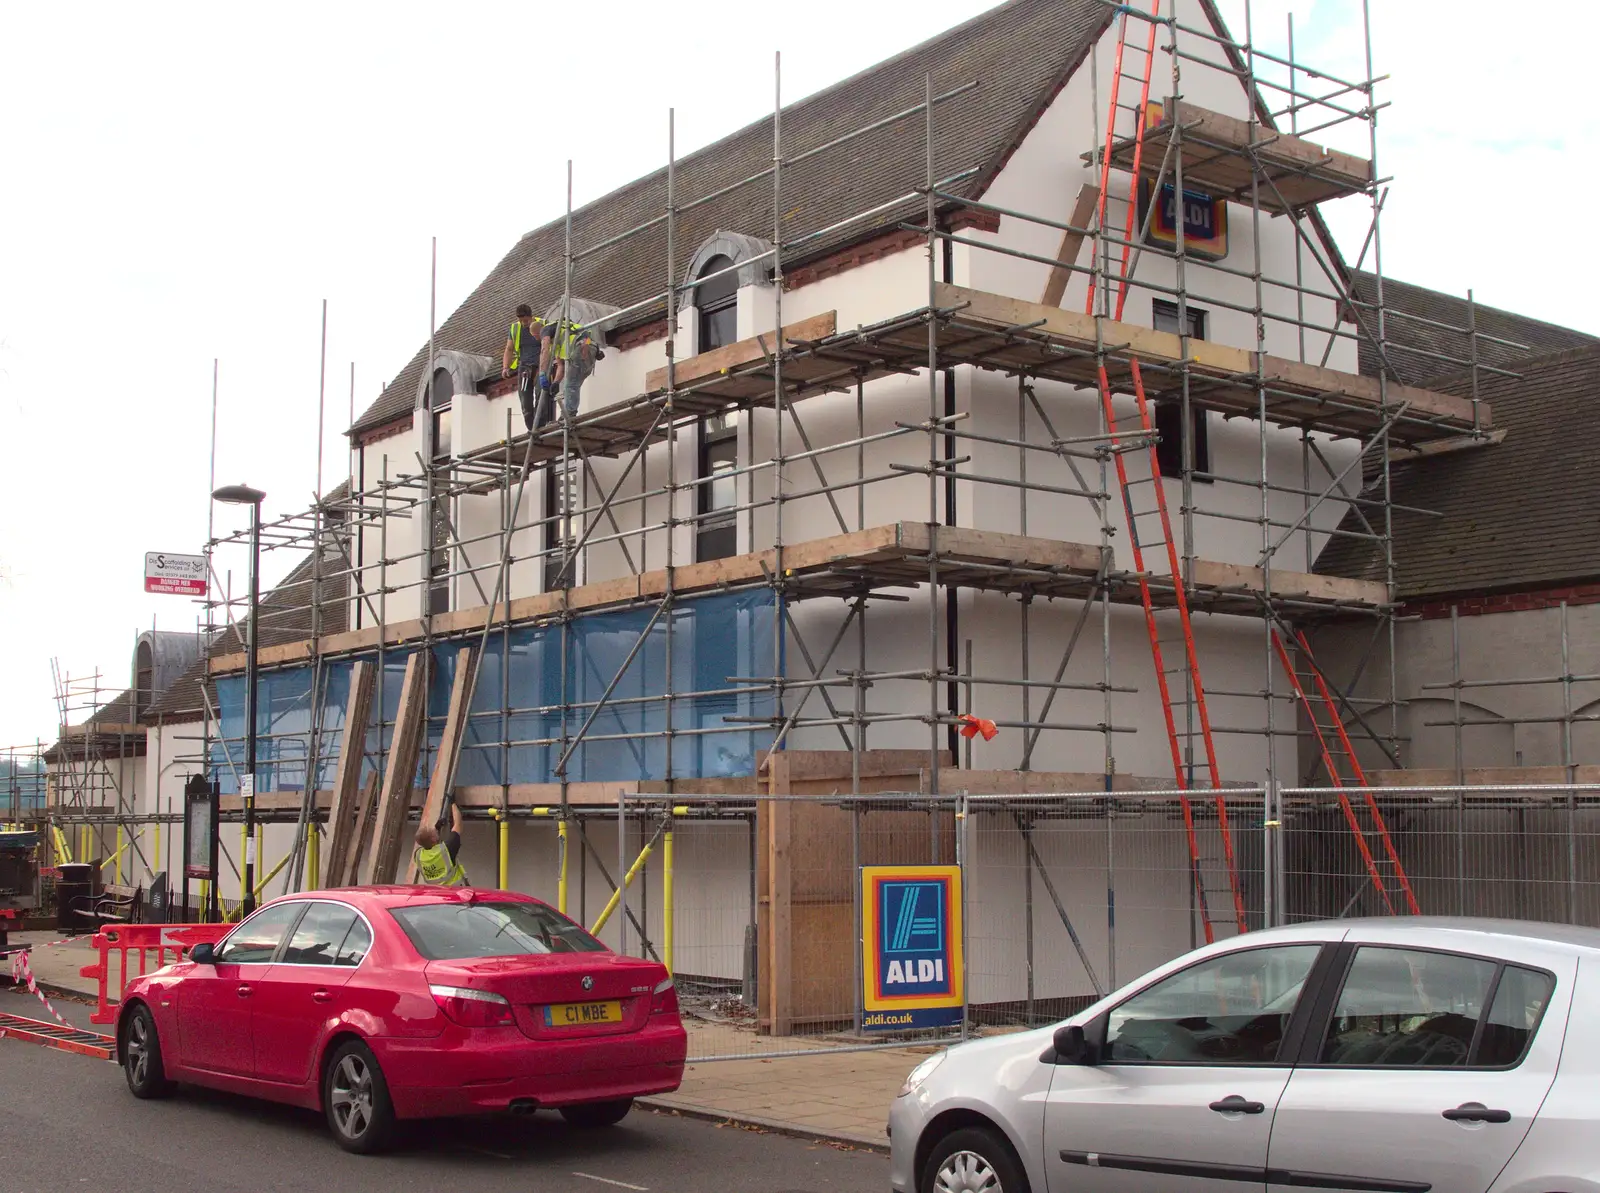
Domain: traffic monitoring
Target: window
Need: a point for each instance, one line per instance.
(1403, 1008)
(257, 939)
(440, 394)
(718, 304)
(450, 931)
(1230, 1010)
(328, 934)
(439, 558)
(1169, 411)
(144, 677)
(716, 531)
(561, 525)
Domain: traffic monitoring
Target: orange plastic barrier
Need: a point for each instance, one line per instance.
(169, 943)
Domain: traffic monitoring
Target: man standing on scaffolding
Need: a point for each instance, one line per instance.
(521, 356)
(567, 358)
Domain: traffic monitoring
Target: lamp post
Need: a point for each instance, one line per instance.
(245, 495)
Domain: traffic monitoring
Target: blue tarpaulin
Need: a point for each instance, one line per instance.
(521, 713)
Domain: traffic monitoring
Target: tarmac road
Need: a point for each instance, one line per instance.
(68, 1122)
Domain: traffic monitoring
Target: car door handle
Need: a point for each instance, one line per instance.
(244, 991)
(1234, 1104)
(1477, 1112)
(320, 996)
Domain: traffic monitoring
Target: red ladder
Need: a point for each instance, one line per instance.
(1140, 445)
(53, 1035)
(1312, 690)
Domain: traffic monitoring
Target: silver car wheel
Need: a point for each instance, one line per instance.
(138, 1061)
(351, 1095)
(966, 1172)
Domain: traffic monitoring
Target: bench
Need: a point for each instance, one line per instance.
(113, 905)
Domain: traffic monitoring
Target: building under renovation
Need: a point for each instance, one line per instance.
(993, 459)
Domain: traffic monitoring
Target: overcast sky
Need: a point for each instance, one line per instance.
(189, 182)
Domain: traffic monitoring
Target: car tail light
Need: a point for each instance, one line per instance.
(472, 1008)
(664, 999)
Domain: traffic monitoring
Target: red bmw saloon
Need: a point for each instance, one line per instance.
(376, 1004)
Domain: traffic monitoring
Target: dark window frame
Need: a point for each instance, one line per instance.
(1168, 412)
(555, 516)
(1328, 1002)
(717, 306)
(716, 532)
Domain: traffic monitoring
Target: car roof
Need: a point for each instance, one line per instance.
(418, 895)
(1441, 930)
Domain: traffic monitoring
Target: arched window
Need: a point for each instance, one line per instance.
(144, 678)
(440, 394)
(718, 303)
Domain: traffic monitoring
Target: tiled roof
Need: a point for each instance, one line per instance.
(1018, 54)
(1521, 514)
(1534, 337)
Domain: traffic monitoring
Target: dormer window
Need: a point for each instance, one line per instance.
(717, 301)
(440, 394)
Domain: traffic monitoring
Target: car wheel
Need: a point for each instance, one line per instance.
(597, 1114)
(973, 1160)
(356, 1099)
(140, 1053)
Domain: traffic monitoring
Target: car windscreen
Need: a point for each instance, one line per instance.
(454, 931)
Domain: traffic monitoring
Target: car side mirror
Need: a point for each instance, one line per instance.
(203, 954)
(1072, 1046)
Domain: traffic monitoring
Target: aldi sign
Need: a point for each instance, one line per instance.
(911, 947)
(183, 575)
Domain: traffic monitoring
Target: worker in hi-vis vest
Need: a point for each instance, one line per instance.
(520, 356)
(436, 856)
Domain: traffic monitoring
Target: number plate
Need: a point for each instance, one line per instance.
(582, 1014)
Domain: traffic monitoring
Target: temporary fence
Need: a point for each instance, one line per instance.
(763, 910)
(155, 945)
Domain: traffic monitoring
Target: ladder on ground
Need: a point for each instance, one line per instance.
(53, 1035)
(1373, 840)
(1133, 449)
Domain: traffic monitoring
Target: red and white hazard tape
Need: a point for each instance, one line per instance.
(22, 972)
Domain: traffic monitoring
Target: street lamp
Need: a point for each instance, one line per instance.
(245, 495)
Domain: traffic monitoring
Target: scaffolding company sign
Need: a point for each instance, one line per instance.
(911, 947)
(182, 575)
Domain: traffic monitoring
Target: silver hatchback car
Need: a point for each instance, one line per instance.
(1386, 1056)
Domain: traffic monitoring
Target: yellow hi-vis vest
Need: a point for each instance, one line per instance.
(570, 336)
(436, 867)
(517, 331)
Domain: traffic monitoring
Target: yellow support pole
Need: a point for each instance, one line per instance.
(616, 895)
(503, 834)
(313, 858)
(116, 871)
(666, 890)
(276, 870)
(63, 850)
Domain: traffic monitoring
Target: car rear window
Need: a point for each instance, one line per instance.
(453, 931)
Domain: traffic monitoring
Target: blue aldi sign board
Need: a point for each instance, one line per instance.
(911, 947)
(1205, 221)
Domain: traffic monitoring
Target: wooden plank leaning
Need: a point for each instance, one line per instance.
(444, 761)
(394, 800)
(342, 825)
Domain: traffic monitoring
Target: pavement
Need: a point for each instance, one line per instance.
(78, 1125)
(840, 1097)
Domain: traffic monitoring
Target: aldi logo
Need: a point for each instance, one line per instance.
(911, 937)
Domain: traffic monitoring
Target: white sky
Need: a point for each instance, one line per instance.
(186, 182)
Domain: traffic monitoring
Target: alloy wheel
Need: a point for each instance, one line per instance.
(138, 1050)
(351, 1095)
(966, 1172)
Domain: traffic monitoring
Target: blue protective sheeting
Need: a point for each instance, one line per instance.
(516, 727)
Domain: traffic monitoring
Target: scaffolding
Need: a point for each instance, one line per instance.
(622, 486)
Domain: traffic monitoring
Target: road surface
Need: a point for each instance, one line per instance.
(68, 1122)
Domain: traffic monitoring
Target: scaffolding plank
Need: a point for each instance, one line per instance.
(731, 356)
(394, 803)
(444, 762)
(342, 825)
(1220, 157)
(362, 841)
